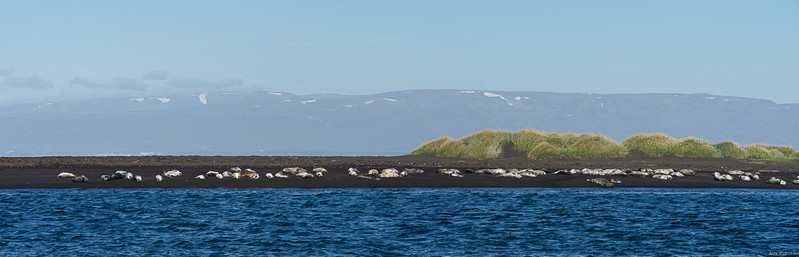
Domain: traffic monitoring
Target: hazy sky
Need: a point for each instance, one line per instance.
(69, 49)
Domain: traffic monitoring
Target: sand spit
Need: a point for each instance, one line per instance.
(400, 171)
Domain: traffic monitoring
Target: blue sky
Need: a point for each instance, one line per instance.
(79, 49)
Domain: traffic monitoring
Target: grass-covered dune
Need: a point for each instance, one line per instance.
(490, 144)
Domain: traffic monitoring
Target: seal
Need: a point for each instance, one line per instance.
(722, 177)
(352, 172)
(293, 170)
(373, 172)
(776, 181)
(120, 174)
(413, 171)
(509, 175)
(662, 177)
(250, 173)
(389, 173)
(172, 173)
(688, 172)
(304, 174)
(65, 175)
(601, 182)
(82, 178)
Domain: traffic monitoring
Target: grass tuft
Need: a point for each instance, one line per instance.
(694, 148)
(488, 144)
(545, 150)
(729, 149)
(761, 152)
(596, 146)
(657, 145)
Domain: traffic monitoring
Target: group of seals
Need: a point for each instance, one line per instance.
(121, 174)
(375, 174)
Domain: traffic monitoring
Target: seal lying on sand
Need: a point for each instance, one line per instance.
(82, 178)
(722, 177)
(250, 173)
(172, 173)
(601, 182)
(352, 172)
(776, 181)
(65, 175)
(389, 173)
(120, 174)
(319, 171)
(293, 170)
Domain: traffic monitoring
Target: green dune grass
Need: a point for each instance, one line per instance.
(488, 144)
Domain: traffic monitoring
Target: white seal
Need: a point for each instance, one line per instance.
(65, 175)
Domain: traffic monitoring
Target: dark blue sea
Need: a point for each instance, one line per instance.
(389, 222)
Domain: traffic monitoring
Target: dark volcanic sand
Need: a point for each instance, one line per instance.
(40, 172)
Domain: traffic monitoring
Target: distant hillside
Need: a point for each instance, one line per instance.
(393, 123)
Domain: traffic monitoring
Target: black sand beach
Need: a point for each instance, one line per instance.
(40, 172)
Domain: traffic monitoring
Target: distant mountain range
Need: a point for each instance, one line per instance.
(393, 123)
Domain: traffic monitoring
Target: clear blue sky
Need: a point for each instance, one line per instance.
(73, 49)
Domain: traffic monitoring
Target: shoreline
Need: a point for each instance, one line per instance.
(40, 172)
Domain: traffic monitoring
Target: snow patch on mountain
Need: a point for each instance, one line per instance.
(138, 99)
(390, 99)
(203, 98)
(308, 101)
(275, 93)
(164, 99)
(492, 95)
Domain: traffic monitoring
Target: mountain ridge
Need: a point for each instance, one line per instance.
(390, 123)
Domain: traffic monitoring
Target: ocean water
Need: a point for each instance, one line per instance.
(415, 222)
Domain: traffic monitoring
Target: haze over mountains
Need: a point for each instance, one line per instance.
(393, 123)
